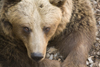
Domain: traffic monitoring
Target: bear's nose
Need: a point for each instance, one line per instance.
(36, 56)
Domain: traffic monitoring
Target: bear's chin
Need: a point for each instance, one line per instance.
(37, 61)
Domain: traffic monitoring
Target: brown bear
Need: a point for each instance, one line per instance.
(28, 27)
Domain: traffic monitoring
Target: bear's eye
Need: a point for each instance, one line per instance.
(26, 29)
(46, 29)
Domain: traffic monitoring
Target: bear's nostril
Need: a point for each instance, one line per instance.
(36, 56)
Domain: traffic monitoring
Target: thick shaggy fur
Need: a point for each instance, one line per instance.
(73, 37)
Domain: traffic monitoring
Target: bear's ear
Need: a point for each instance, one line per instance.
(11, 1)
(58, 3)
(8, 3)
(6, 27)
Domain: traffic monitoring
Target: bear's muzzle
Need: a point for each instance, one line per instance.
(36, 56)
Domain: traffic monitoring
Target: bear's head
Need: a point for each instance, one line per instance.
(35, 22)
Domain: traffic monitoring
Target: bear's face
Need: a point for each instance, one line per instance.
(34, 22)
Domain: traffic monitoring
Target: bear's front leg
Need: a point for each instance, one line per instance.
(49, 63)
(74, 48)
(77, 57)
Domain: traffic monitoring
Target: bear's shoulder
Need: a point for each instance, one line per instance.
(81, 18)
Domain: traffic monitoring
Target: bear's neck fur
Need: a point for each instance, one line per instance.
(16, 53)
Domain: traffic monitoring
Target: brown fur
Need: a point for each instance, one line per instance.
(76, 40)
(73, 33)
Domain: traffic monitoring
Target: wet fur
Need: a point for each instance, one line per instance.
(73, 42)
